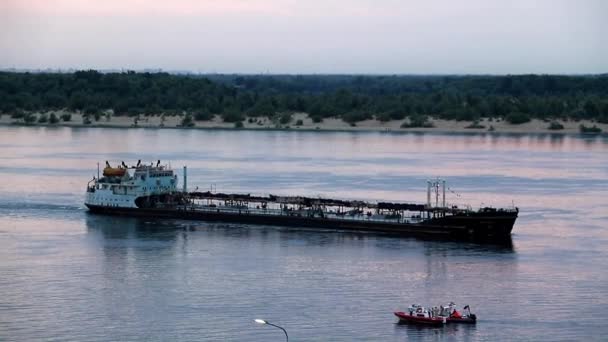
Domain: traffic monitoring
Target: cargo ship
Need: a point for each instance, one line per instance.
(152, 190)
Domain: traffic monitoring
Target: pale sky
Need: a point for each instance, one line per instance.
(308, 36)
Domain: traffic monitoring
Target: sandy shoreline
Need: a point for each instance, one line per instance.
(332, 124)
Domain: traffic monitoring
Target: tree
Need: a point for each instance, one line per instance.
(232, 116)
(187, 121)
(203, 115)
(18, 114)
(355, 116)
(77, 101)
(383, 117)
(285, 118)
(29, 118)
(555, 126)
(397, 114)
(517, 118)
(591, 109)
(262, 108)
(321, 96)
(593, 129)
(53, 119)
(417, 121)
(316, 118)
(8, 107)
(91, 110)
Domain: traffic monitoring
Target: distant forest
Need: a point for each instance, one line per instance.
(350, 97)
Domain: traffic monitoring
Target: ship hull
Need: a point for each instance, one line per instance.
(491, 226)
(412, 319)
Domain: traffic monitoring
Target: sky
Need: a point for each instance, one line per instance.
(308, 36)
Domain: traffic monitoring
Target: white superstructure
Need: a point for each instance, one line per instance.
(122, 186)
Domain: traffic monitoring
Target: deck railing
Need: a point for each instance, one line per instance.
(289, 213)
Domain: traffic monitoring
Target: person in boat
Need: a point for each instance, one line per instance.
(456, 314)
(453, 311)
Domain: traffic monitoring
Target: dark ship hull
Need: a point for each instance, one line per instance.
(486, 224)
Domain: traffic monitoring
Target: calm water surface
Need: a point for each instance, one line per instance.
(67, 275)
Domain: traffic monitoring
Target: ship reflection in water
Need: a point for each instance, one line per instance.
(174, 232)
(460, 332)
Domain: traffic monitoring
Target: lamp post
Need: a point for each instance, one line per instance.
(261, 321)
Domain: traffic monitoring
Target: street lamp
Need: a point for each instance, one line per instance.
(261, 321)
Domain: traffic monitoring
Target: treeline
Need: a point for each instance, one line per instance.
(352, 98)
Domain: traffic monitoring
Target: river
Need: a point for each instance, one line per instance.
(68, 275)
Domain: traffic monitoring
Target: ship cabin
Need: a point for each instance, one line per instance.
(140, 180)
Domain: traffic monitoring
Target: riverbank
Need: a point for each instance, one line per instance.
(301, 121)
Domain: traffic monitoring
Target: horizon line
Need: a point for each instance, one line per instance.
(200, 73)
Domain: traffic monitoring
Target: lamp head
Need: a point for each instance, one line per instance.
(260, 321)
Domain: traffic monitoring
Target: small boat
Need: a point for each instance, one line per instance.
(418, 314)
(453, 316)
(467, 320)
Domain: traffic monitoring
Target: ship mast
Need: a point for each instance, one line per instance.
(185, 190)
(435, 185)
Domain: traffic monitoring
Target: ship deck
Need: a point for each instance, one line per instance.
(332, 215)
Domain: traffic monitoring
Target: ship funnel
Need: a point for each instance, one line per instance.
(185, 179)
